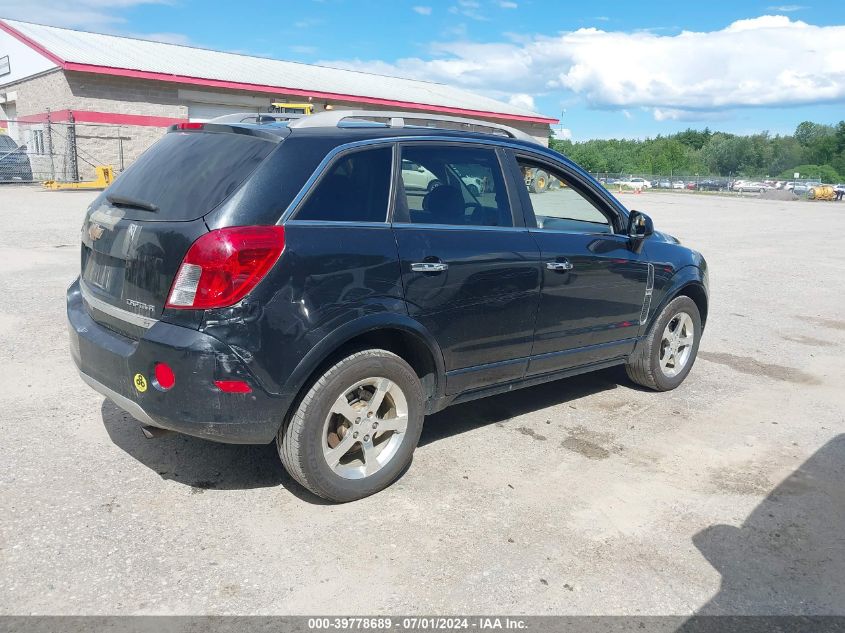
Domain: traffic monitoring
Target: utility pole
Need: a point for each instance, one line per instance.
(71, 148)
(49, 135)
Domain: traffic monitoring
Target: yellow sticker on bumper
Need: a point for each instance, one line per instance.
(140, 382)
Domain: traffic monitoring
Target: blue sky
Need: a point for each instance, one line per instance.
(617, 69)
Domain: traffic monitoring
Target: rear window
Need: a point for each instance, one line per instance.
(187, 174)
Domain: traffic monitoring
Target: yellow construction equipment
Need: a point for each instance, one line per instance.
(104, 177)
(821, 192)
(292, 108)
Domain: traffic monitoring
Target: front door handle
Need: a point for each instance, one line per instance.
(429, 267)
(560, 267)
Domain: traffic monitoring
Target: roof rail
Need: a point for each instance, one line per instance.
(395, 119)
(256, 117)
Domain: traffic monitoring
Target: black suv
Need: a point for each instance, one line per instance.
(327, 281)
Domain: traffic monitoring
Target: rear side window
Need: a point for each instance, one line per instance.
(6, 143)
(454, 185)
(188, 174)
(356, 188)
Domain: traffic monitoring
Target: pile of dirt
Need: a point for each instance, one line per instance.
(779, 194)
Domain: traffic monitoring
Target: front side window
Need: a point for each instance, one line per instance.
(356, 188)
(452, 185)
(558, 206)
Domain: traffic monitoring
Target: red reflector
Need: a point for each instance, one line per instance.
(233, 386)
(189, 126)
(222, 266)
(164, 376)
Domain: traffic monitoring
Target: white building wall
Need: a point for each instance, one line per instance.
(23, 61)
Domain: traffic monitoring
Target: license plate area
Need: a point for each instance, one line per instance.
(104, 272)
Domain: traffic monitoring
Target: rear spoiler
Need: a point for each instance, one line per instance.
(274, 136)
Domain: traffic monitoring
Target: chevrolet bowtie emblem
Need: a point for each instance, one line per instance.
(95, 231)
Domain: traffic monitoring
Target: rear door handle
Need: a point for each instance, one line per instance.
(560, 266)
(429, 267)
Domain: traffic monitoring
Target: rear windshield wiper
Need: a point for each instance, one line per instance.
(123, 201)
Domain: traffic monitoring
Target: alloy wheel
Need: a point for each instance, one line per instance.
(365, 428)
(676, 344)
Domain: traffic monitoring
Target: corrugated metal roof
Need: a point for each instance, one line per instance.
(99, 50)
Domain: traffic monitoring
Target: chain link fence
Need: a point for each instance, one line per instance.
(66, 152)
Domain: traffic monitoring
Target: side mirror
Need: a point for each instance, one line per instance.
(640, 225)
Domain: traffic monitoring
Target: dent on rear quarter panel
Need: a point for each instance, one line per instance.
(327, 276)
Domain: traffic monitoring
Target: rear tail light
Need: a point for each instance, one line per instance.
(189, 126)
(222, 266)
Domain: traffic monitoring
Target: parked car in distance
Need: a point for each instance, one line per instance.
(664, 184)
(281, 282)
(679, 184)
(635, 183)
(743, 186)
(712, 185)
(418, 177)
(14, 163)
(801, 188)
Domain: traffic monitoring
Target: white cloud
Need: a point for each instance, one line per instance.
(522, 100)
(765, 61)
(562, 133)
(307, 23)
(506, 4)
(422, 10)
(167, 38)
(627, 115)
(786, 8)
(469, 8)
(96, 15)
(85, 14)
(303, 49)
(674, 114)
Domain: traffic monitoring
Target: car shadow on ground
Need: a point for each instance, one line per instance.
(203, 464)
(788, 556)
(471, 415)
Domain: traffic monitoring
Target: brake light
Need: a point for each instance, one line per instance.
(189, 126)
(222, 266)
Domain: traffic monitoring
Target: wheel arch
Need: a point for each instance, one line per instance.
(696, 292)
(689, 281)
(401, 335)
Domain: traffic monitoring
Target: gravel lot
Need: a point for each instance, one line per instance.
(584, 496)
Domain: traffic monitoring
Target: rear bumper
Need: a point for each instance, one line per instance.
(109, 361)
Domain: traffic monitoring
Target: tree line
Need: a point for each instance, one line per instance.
(815, 150)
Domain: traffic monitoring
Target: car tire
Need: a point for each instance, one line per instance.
(652, 365)
(341, 456)
(432, 185)
(474, 190)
